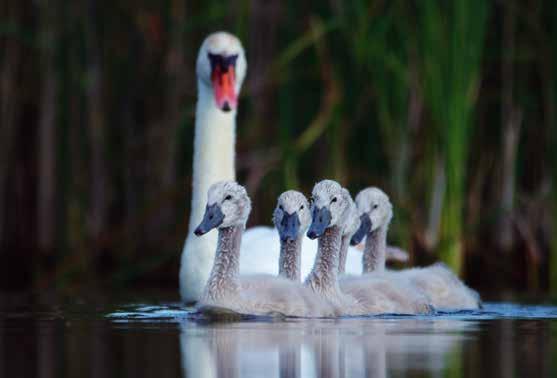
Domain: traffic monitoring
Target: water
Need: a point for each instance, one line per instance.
(94, 338)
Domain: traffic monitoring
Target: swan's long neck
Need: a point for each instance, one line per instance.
(213, 160)
(226, 268)
(373, 259)
(213, 151)
(290, 259)
(345, 242)
(324, 275)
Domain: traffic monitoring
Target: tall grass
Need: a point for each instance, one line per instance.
(378, 38)
(381, 49)
(452, 36)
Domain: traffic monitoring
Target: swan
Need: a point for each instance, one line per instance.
(331, 208)
(391, 253)
(228, 207)
(221, 68)
(327, 213)
(292, 218)
(438, 282)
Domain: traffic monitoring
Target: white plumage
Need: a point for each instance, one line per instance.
(360, 295)
(213, 161)
(228, 207)
(262, 240)
(437, 282)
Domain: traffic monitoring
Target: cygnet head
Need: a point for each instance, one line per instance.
(292, 216)
(228, 205)
(375, 211)
(330, 205)
(221, 67)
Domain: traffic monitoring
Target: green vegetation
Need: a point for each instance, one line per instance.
(451, 50)
(448, 106)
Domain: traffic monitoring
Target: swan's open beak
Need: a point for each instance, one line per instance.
(289, 227)
(213, 218)
(223, 78)
(363, 230)
(321, 220)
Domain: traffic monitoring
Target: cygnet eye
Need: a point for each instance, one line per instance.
(334, 199)
(302, 207)
(228, 198)
(375, 206)
(280, 207)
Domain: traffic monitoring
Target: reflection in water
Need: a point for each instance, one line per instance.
(89, 339)
(320, 348)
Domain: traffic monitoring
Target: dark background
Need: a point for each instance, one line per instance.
(449, 106)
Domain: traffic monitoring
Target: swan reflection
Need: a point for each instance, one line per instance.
(319, 348)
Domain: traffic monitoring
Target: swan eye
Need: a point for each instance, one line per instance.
(228, 198)
(334, 200)
(280, 207)
(375, 206)
(302, 207)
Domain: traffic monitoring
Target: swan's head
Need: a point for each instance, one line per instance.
(228, 205)
(221, 67)
(375, 211)
(330, 207)
(292, 215)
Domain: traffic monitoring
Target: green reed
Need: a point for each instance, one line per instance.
(369, 92)
(451, 49)
(379, 38)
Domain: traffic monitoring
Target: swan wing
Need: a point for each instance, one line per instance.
(444, 288)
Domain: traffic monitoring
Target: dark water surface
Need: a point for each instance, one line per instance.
(98, 339)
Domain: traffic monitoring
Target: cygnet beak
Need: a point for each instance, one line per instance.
(289, 227)
(212, 219)
(321, 219)
(363, 230)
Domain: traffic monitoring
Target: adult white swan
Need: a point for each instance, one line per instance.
(221, 68)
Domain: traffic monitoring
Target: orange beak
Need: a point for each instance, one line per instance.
(224, 81)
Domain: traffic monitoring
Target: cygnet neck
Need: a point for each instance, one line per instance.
(343, 253)
(226, 268)
(324, 275)
(373, 259)
(290, 259)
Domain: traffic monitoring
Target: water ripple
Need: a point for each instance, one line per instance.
(175, 312)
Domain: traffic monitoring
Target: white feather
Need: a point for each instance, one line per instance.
(261, 248)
